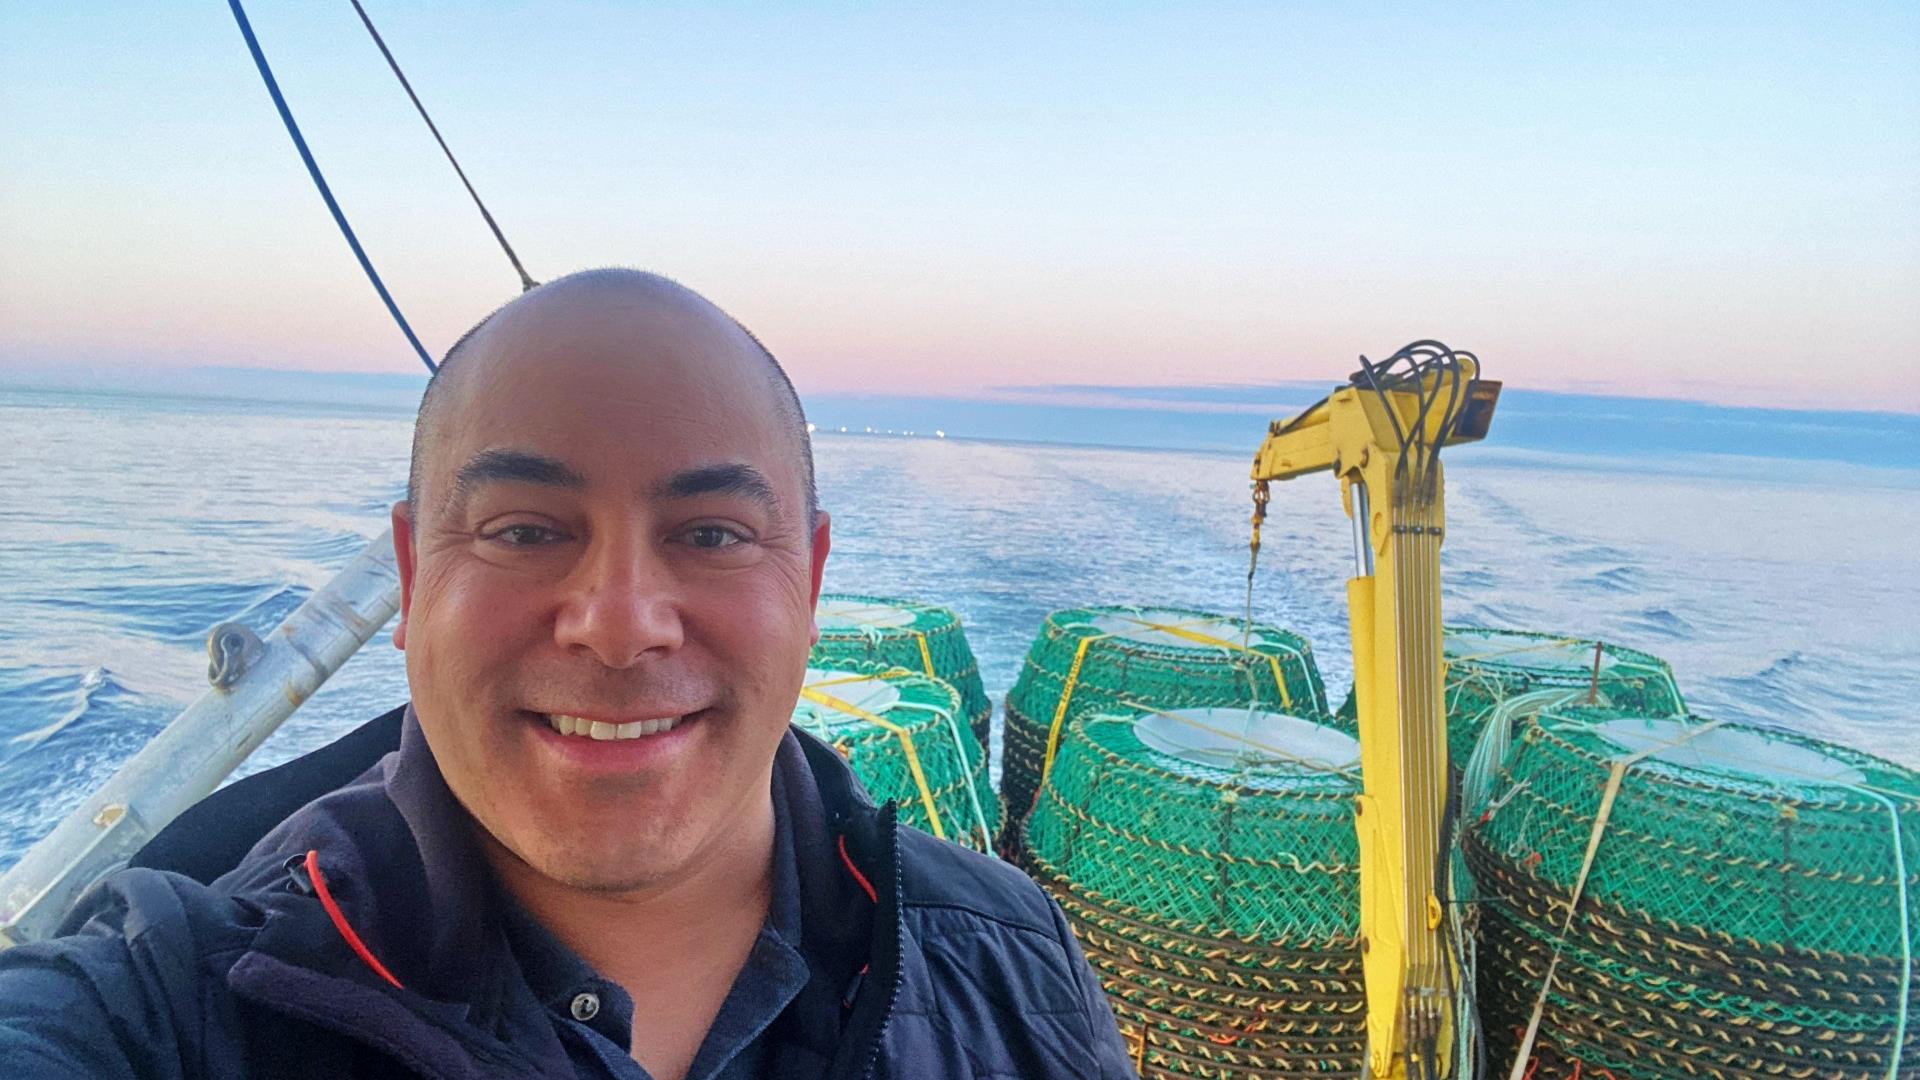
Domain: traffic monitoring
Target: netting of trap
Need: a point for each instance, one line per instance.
(903, 735)
(906, 634)
(1208, 861)
(1488, 668)
(1104, 659)
(1728, 899)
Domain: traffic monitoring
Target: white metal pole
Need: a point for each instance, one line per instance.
(257, 684)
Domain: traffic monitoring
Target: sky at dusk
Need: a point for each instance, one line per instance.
(1717, 202)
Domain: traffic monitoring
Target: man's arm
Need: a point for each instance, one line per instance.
(1107, 1056)
(82, 1007)
(112, 998)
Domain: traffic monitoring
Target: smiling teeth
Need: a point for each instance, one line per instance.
(604, 732)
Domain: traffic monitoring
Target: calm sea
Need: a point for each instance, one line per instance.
(1782, 592)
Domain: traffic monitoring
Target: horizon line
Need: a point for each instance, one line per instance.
(1209, 397)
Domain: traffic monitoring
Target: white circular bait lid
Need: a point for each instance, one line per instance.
(1727, 750)
(864, 692)
(1523, 651)
(1157, 627)
(841, 613)
(1227, 738)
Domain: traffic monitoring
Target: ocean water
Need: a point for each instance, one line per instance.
(1782, 592)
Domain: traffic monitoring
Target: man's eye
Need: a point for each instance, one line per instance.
(524, 535)
(713, 536)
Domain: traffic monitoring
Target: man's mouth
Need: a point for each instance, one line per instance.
(582, 727)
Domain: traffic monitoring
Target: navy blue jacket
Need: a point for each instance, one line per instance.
(953, 965)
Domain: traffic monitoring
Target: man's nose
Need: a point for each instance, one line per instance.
(621, 604)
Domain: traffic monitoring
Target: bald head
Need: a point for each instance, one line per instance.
(621, 316)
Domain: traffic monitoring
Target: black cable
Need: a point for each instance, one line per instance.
(526, 280)
(320, 181)
(1373, 373)
(1417, 441)
(1451, 376)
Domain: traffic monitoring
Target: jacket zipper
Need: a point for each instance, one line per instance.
(890, 821)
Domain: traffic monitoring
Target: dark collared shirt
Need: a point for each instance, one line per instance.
(593, 1016)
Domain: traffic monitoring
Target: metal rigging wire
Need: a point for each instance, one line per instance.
(526, 280)
(319, 181)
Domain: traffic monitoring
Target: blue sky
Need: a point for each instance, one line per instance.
(1702, 201)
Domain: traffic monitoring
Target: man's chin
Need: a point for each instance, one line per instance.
(595, 865)
(607, 883)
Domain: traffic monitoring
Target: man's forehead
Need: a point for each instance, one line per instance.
(612, 335)
(607, 429)
(614, 372)
(660, 351)
(629, 425)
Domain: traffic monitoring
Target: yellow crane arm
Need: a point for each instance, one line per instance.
(1381, 435)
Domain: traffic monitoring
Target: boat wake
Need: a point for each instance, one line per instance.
(90, 684)
(98, 722)
(1659, 622)
(85, 695)
(181, 611)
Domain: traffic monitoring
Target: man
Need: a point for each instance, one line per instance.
(600, 850)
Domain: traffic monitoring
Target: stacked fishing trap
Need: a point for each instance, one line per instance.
(1744, 902)
(1208, 862)
(1092, 660)
(905, 737)
(1496, 672)
(1487, 669)
(902, 633)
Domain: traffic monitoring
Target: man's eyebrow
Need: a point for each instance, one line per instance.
(511, 467)
(734, 478)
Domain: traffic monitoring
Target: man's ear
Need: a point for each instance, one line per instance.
(822, 543)
(403, 558)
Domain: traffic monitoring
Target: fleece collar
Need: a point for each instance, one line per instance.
(406, 871)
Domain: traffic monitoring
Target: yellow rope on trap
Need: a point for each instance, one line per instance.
(1060, 712)
(926, 654)
(1177, 630)
(813, 694)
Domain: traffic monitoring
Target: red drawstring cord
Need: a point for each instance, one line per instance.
(340, 921)
(866, 885)
(855, 871)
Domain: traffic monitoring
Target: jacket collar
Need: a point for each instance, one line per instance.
(401, 860)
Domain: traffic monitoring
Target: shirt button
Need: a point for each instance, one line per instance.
(586, 1006)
